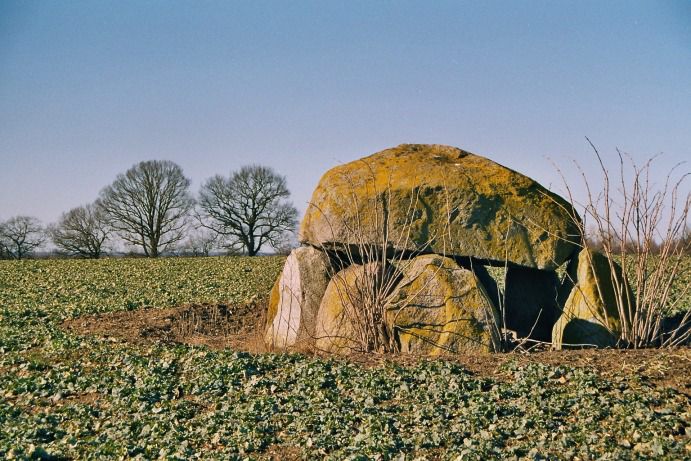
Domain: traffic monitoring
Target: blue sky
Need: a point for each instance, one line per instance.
(87, 89)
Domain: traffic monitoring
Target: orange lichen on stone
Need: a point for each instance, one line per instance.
(440, 199)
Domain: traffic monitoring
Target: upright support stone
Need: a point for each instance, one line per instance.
(591, 312)
(296, 299)
(340, 326)
(439, 308)
(274, 299)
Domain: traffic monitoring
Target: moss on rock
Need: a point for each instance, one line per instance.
(274, 299)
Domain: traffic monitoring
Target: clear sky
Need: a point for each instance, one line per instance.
(89, 88)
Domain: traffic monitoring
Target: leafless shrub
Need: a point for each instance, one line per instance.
(201, 243)
(642, 225)
(206, 320)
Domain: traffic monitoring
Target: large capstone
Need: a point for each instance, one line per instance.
(591, 313)
(443, 200)
(439, 307)
(294, 302)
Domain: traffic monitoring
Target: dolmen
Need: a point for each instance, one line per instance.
(429, 249)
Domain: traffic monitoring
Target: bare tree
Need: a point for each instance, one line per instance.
(201, 243)
(249, 208)
(148, 205)
(20, 236)
(82, 232)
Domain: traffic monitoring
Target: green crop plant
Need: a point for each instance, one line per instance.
(85, 397)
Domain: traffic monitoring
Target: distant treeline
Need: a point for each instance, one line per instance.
(595, 242)
(149, 211)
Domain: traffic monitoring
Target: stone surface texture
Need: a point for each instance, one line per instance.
(443, 200)
(590, 314)
(439, 308)
(300, 288)
(341, 308)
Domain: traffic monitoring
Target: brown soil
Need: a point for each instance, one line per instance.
(240, 328)
(214, 325)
